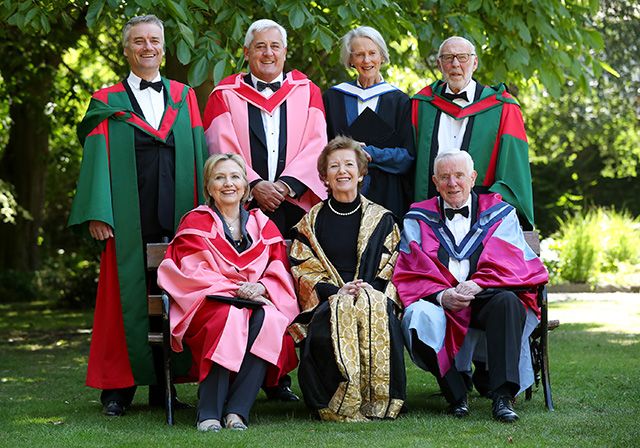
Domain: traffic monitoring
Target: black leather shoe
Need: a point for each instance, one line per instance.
(113, 409)
(281, 393)
(459, 409)
(502, 410)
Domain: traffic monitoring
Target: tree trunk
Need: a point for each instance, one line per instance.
(24, 164)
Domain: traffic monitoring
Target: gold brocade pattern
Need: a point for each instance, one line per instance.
(360, 337)
(360, 326)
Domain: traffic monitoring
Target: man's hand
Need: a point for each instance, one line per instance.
(268, 195)
(454, 301)
(250, 290)
(100, 230)
(469, 288)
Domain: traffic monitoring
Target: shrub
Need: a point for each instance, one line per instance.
(590, 243)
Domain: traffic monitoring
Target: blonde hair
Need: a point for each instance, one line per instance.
(211, 163)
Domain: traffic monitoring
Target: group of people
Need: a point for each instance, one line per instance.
(335, 173)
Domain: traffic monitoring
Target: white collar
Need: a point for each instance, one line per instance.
(134, 80)
(470, 88)
(255, 79)
(365, 94)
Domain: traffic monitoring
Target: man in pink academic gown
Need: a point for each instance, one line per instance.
(468, 281)
(276, 122)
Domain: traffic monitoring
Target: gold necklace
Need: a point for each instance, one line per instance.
(342, 213)
(231, 228)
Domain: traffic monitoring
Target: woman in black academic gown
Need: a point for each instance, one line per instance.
(378, 115)
(342, 257)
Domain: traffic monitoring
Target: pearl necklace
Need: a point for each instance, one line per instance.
(343, 213)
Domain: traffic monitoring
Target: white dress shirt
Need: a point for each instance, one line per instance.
(150, 100)
(451, 131)
(271, 123)
(459, 227)
(371, 103)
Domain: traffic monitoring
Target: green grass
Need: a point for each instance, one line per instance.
(595, 375)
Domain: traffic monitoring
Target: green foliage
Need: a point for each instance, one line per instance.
(589, 244)
(9, 208)
(586, 146)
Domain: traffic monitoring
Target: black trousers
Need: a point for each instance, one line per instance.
(218, 396)
(501, 315)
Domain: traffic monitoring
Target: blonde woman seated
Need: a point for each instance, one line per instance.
(223, 250)
(342, 259)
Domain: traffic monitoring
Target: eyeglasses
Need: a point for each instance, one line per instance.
(461, 57)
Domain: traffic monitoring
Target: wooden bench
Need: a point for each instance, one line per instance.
(159, 306)
(539, 340)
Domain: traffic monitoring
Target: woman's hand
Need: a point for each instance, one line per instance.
(263, 300)
(353, 288)
(250, 290)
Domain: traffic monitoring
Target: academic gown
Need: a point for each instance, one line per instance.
(351, 352)
(495, 138)
(120, 355)
(231, 126)
(387, 133)
(502, 259)
(201, 261)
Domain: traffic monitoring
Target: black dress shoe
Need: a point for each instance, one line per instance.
(281, 393)
(502, 410)
(459, 409)
(113, 409)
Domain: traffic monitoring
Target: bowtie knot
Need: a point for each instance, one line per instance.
(157, 86)
(451, 212)
(455, 96)
(272, 85)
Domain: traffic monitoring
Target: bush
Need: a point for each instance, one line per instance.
(589, 244)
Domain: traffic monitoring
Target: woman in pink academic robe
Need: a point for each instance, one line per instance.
(220, 249)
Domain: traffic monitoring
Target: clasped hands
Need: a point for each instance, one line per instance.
(253, 291)
(270, 195)
(353, 287)
(461, 296)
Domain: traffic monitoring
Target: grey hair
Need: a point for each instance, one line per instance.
(150, 18)
(362, 31)
(449, 39)
(261, 25)
(453, 154)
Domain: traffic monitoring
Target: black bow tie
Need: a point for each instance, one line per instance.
(451, 212)
(272, 85)
(454, 96)
(157, 86)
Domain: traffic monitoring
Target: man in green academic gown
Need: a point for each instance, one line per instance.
(459, 114)
(141, 171)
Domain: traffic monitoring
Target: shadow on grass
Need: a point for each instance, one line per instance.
(594, 379)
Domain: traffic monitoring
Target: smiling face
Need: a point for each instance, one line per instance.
(366, 58)
(456, 74)
(343, 174)
(454, 181)
(226, 184)
(266, 54)
(144, 50)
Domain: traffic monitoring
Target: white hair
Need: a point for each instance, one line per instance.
(261, 25)
(362, 31)
(452, 38)
(453, 154)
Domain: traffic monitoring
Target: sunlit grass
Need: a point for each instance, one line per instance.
(595, 370)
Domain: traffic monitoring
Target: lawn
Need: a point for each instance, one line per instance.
(595, 373)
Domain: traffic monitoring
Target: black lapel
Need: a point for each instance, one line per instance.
(257, 138)
(282, 140)
(469, 129)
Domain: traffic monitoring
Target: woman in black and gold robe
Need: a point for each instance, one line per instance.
(342, 257)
